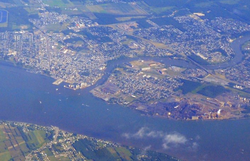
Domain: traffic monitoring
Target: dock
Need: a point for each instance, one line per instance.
(58, 81)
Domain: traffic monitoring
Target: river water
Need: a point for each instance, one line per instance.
(32, 98)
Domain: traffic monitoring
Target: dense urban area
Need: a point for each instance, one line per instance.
(165, 55)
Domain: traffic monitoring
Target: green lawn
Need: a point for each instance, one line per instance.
(124, 153)
(5, 156)
(35, 139)
(2, 135)
(212, 91)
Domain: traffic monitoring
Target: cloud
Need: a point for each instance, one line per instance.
(237, 12)
(155, 134)
(144, 150)
(141, 133)
(197, 137)
(194, 146)
(173, 139)
(169, 140)
(126, 135)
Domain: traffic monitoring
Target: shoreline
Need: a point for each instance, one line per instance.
(166, 60)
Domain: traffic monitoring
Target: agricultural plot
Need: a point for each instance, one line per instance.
(58, 3)
(28, 142)
(35, 139)
(18, 2)
(98, 150)
(168, 21)
(11, 143)
(18, 17)
(117, 9)
(159, 10)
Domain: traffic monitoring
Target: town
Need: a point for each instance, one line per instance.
(76, 50)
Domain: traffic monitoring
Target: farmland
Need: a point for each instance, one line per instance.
(21, 141)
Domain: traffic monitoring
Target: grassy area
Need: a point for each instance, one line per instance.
(130, 18)
(5, 156)
(2, 135)
(124, 153)
(48, 152)
(116, 9)
(14, 148)
(31, 10)
(93, 150)
(23, 147)
(52, 158)
(189, 86)
(12, 145)
(168, 21)
(2, 147)
(35, 139)
(113, 152)
(18, 17)
(50, 155)
(58, 3)
(142, 23)
(88, 149)
(246, 45)
(159, 10)
(212, 91)
(56, 27)
(40, 135)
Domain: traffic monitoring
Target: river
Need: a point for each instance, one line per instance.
(32, 98)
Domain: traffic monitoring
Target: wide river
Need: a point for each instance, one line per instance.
(32, 98)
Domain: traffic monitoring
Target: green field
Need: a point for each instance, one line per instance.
(56, 27)
(18, 17)
(50, 155)
(93, 150)
(116, 9)
(2, 135)
(12, 145)
(124, 153)
(159, 10)
(5, 156)
(35, 139)
(189, 86)
(58, 3)
(212, 91)
(18, 141)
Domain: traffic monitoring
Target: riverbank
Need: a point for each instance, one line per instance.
(24, 141)
(211, 99)
(21, 92)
